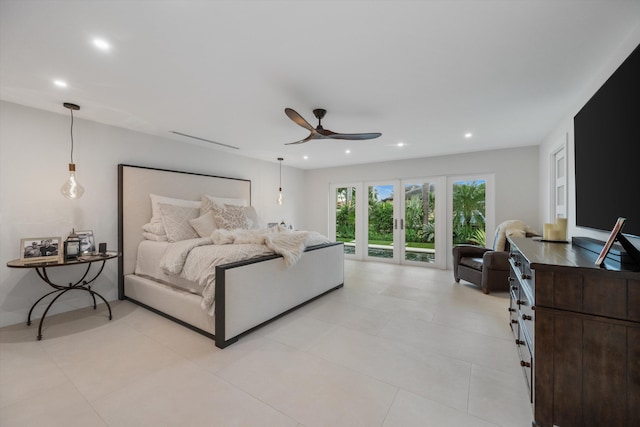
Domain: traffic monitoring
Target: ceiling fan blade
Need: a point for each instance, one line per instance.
(298, 119)
(321, 133)
(355, 136)
(307, 139)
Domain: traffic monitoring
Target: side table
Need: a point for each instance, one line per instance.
(81, 284)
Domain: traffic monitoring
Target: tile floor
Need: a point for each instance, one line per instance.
(397, 346)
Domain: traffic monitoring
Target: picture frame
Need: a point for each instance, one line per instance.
(87, 242)
(612, 238)
(71, 249)
(41, 249)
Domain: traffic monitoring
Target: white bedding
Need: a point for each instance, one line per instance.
(148, 265)
(190, 264)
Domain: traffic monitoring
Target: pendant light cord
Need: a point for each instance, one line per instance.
(71, 135)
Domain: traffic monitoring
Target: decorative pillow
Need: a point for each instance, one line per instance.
(252, 218)
(209, 201)
(206, 206)
(204, 224)
(230, 217)
(176, 221)
(156, 215)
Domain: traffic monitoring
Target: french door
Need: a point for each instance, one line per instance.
(471, 201)
(400, 221)
(345, 217)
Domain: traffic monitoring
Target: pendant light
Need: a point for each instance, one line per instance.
(280, 197)
(71, 189)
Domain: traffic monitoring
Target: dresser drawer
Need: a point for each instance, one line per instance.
(513, 318)
(526, 363)
(526, 318)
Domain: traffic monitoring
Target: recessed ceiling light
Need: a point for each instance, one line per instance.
(101, 44)
(348, 151)
(400, 144)
(305, 157)
(60, 83)
(468, 135)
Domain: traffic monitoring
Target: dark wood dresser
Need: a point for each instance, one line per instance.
(577, 329)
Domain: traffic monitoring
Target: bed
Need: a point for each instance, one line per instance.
(248, 292)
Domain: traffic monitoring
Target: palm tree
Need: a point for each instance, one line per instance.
(468, 209)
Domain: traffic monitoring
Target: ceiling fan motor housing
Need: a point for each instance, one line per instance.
(319, 113)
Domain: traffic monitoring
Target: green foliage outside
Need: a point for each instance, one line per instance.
(419, 233)
(469, 213)
(346, 215)
(468, 216)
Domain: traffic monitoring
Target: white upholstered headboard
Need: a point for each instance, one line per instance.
(135, 183)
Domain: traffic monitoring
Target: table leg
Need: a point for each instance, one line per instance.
(86, 286)
(36, 303)
(62, 292)
(93, 297)
(102, 298)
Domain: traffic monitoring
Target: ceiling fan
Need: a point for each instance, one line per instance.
(321, 133)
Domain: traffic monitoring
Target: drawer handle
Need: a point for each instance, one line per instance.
(526, 317)
(526, 276)
(514, 288)
(519, 342)
(518, 263)
(511, 310)
(520, 302)
(514, 321)
(510, 279)
(525, 364)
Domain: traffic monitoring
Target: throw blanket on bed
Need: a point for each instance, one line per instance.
(196, 259)
(289, 244)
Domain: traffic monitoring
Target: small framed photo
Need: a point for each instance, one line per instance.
(87, 243)
(71, 249)
(609, 243)
(40, 249)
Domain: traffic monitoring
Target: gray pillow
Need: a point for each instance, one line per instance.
(176, 221)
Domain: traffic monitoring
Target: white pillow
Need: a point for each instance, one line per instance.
(156, 215)
(176, 221)
(221, 201)
(204, 224)
(154, 228)
(154, 237)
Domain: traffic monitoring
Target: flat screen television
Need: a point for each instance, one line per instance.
(607, 152)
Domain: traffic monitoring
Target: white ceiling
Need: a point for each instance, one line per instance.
(421, 72)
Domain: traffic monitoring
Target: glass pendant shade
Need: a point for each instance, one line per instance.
(71, 189)
(280, 197)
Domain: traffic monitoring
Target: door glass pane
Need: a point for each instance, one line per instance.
(381, 222)
(419, 222)
(345, 198)
(560, 196)
(560, 167)
(469, 201)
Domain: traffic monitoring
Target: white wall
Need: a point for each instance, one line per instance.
(559, 135)
(515, 169)
(34, 154)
